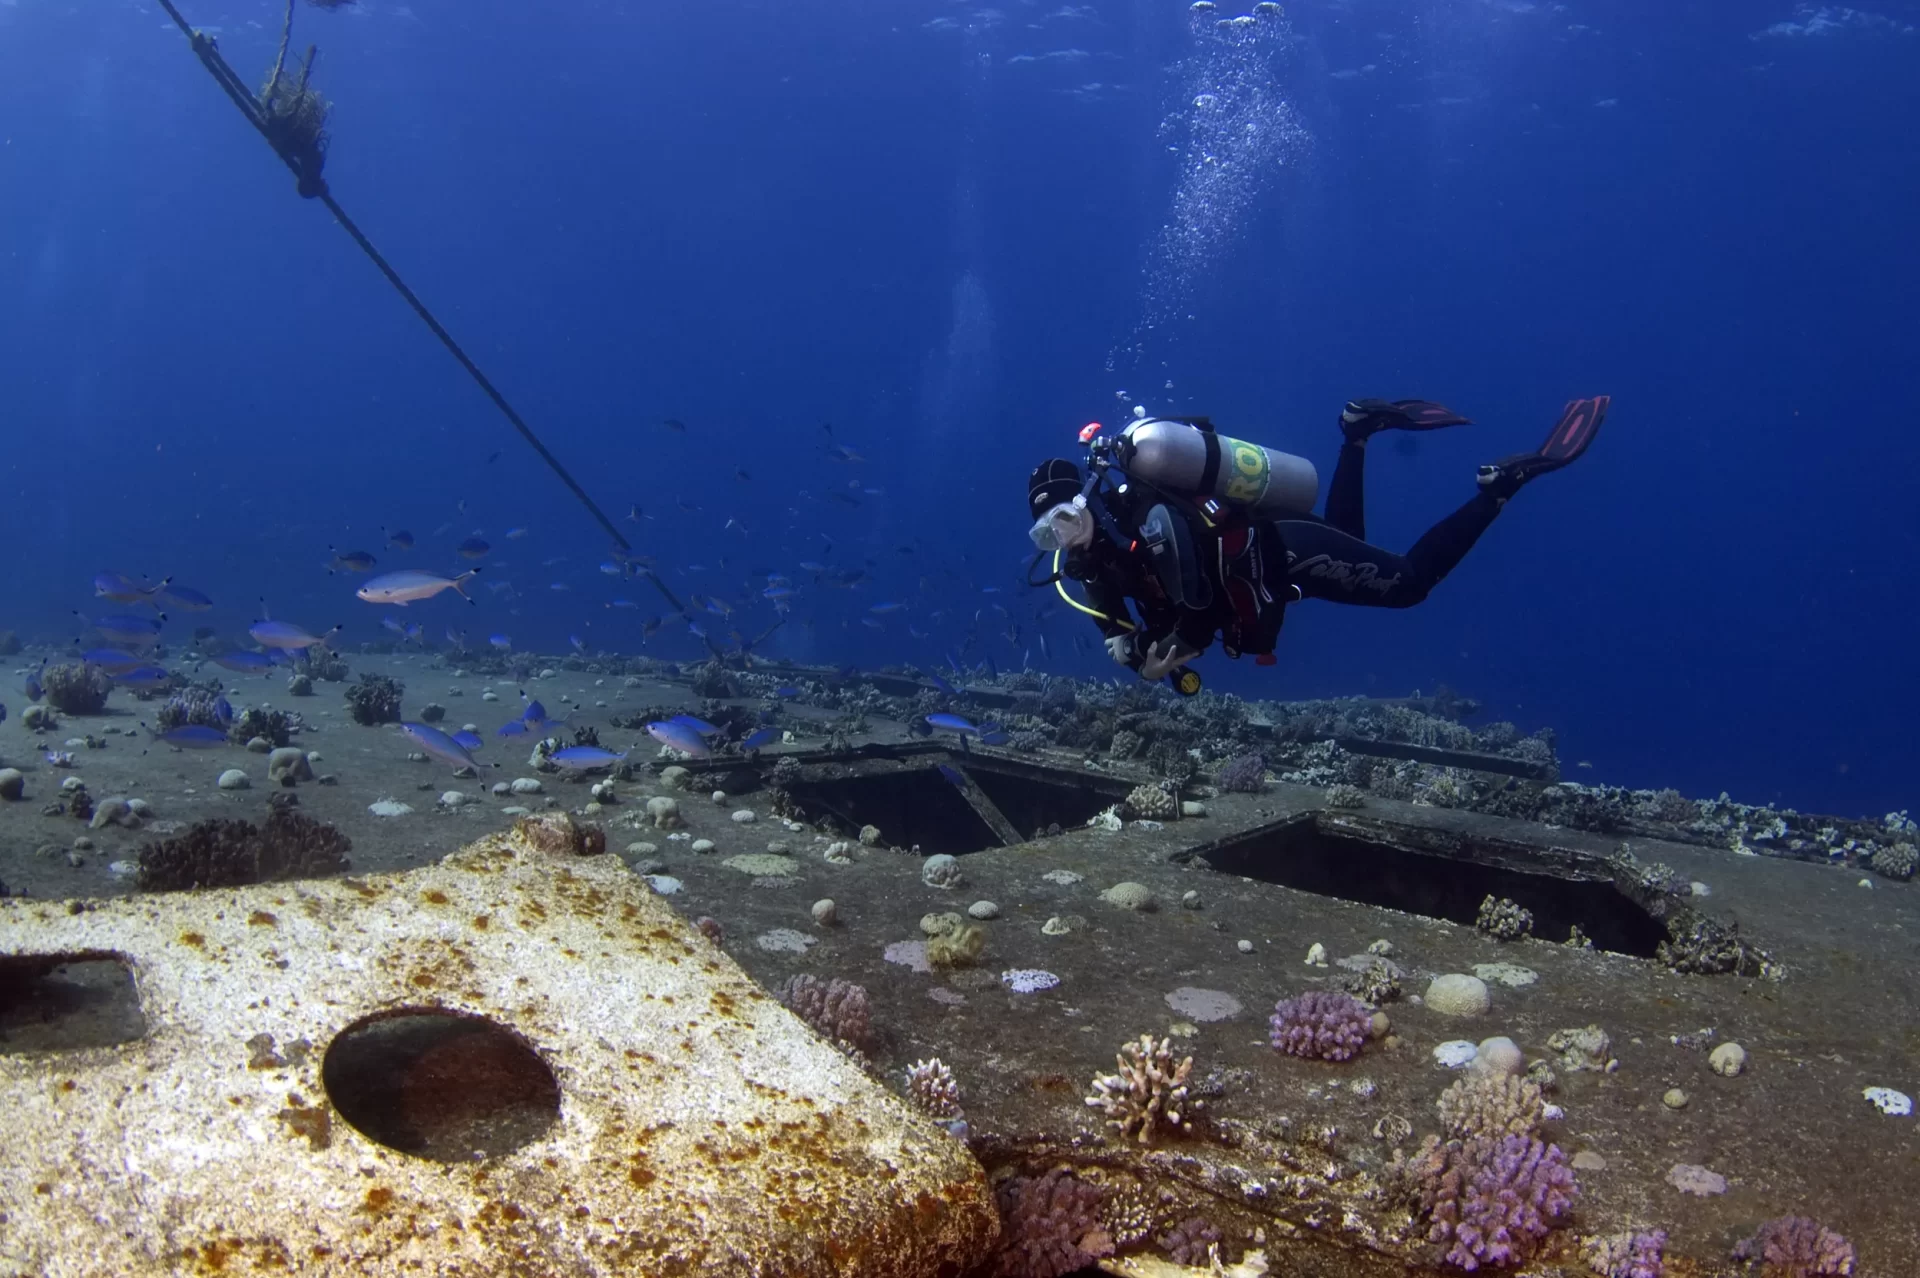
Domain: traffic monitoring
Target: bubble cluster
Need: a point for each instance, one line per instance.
(1234, 130)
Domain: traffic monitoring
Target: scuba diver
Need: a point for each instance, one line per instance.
(1211, 535)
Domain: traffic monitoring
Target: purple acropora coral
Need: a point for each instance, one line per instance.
(1797, 1247)
(1050, 1225)
(1246, 774)
(1647, 1256)
(1494, 1200)
(1629, 1255)
(1321, 1025)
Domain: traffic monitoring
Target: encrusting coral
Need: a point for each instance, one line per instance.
(227, 853)
(375, 699)
(1149, 1094)
(74, 687)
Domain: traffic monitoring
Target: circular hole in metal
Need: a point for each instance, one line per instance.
(440, 1085)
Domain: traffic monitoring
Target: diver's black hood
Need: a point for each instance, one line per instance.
(1052, 482)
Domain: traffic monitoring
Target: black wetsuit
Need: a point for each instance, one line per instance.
(1324, 557)
(1330, 558)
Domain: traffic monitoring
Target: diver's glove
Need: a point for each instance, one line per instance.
(1120, 648)
(1164, 658)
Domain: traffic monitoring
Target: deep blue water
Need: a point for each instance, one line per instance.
(938, 227)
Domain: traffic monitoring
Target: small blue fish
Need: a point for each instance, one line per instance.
(754, 740)
(515, 534)
(700, 726)
(679, 736)
(472, 548)
(777, 593)
(194, 736)
(112, 661)
(144, 679)
(468, 740)
(612, 569)
(943, 685)
(223, 710)
(579, 644)
(243, 661)
(439, 745)
(287, 637)
(951, 775)
(350, 560)
(399, 539)
(882, 608)
(120, 588)
(185, 597)
(993, 736)
(952, 723)
(694, 630)
(137, 630)
(622, 603)
(502, 642)
(585, 758)
(786, 692)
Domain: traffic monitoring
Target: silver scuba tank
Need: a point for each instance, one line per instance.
(1203, 463)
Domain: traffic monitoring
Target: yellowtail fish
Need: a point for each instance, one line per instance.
(411, 585)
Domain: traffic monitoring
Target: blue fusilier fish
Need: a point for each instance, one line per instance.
(439, 745)
(144, 679)
(112, 661)
(502, 642)
(194, 736)
(951, 775)
(512, 728)
(120, 588)
(763, 737)
(244, 662)
(584, 758)
(700, 726)
(223, 710)
(134, 630)
(411, 585)
(953, 723)
(287, 637)
(678, 736)
(184, 597)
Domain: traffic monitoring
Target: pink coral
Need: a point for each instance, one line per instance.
(1321, 1025)
(1493, 1201)
(1797, 1247)
(1050, 1226)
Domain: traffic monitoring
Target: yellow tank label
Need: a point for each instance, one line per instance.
(1247, 483)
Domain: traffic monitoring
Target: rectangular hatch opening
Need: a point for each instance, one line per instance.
(1302, 855)
(67, 1002)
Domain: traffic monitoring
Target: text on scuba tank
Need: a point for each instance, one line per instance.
(1251, 473)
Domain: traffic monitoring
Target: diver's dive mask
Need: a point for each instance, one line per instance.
(1067, 526)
